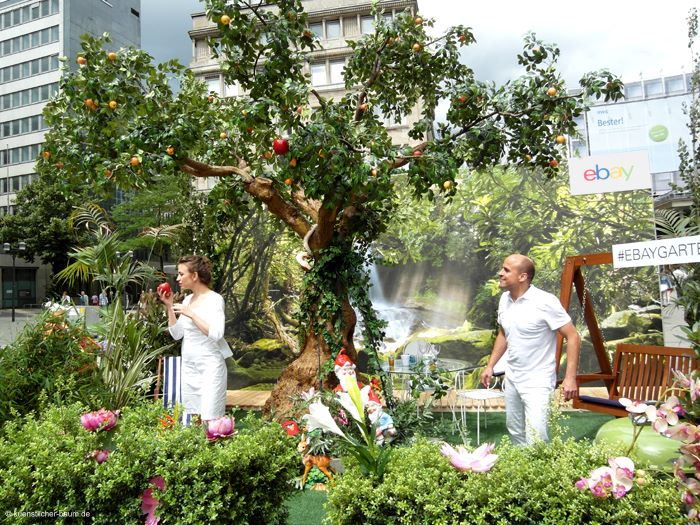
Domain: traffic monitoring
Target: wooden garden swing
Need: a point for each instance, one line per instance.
(638, 372)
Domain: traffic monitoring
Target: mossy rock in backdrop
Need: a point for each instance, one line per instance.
(653, 448)
(619, 325)
(464, 343)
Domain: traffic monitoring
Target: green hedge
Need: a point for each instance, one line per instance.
(45, 465)
(526, 486)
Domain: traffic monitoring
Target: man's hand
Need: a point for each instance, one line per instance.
(486, 376)
(569, 388)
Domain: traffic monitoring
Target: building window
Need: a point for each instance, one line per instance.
(28, 96)
(22, 126)
(653, 88)
(367, 25)
(29, 68)
(327, 73)
(19, 156)
(332, 29)
(675, 84)
(633, 90)
(213, 84)
(201, 49)
(317, 29)
(25, 14)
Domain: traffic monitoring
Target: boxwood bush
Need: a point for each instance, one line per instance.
(534, 485)
(46, 464)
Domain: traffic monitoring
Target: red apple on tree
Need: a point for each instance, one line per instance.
(164, 289)
(280, 146)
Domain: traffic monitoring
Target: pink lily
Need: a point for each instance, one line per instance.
(220, 428)
(481, 460)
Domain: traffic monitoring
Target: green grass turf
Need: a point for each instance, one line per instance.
(306, 508)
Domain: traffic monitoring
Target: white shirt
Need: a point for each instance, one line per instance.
(210, 308)
(530, 325)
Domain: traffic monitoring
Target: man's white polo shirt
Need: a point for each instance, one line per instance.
(530, 325)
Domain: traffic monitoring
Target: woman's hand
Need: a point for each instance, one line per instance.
(180, 308)
(166, 298)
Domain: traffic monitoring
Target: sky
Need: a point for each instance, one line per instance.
(627, 37)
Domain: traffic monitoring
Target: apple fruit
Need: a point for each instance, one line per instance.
(81, 60)
(288, 182)
(561, 139)
(554, 163)
(293, 162)
(46, 154)
(267, 155)
(59, 165)
(307, 34)
(108, 174)
(225, 20)
(164, 289)
(223, 135)
(112, 56)
(463, 38)
(113, 104)
(364, 106)
(527, 158)
(447, 185)
(417, 47)
(280, 146)
(552, 92)
(418, 20)
(374, 172)
(170, 150)
(135, 161)
(417, 153)
(462, 99)
(210, 98)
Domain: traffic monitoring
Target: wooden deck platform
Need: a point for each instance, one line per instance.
(254, 399)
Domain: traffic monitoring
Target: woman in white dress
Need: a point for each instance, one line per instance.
(199, 322)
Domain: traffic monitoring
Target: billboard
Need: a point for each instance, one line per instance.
(654, 125)
(609, 173)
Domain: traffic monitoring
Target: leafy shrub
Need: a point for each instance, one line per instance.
(526, 486)
(51, 356)
(46, 464)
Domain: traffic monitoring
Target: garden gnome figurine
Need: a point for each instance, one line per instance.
(385, 432)
(344, 367)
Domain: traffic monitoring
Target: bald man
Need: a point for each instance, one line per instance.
(529, 320)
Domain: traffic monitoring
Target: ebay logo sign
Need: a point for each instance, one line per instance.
(609, 173)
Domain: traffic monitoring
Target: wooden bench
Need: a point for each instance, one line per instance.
(640, 373)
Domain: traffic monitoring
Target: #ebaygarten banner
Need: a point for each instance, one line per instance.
(609, 173)
(657, 253)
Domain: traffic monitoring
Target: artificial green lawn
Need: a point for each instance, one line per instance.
(306, 508)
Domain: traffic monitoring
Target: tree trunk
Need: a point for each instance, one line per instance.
(303, 373)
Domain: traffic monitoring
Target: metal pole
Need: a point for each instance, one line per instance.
(14, 286)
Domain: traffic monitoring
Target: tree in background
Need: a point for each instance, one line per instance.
(326, 169)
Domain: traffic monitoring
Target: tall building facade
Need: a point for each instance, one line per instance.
(33, 35)
(333, 22)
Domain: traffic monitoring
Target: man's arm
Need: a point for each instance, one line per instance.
(573, 349)
(499, 348)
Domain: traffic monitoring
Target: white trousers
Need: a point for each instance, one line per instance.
(527, 410)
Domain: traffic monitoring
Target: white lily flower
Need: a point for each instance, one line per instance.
(319, 416)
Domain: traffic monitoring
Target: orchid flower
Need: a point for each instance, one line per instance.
(667, 414)
(640, 412)
(319, 416)
(481, 460)
(149, 502)
(309, 394)
(100, 420)
(615, 479)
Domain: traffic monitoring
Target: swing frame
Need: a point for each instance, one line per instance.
(639, 372)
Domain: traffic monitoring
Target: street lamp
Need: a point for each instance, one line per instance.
(21, 248)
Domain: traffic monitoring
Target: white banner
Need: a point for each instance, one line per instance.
(609, 173)
(657, 253)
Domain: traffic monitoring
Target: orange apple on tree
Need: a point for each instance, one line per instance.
(113, 104)
(417, 47)
(561, 139)
(554, 163)
(112, 56)
(288, 182)
(225, 20)
(418, 20)
(552, 92)
(417, 153)
(293, 162)
(447, 185)
(135, 161)
(170, 150)
(81, 60)
(46, 154)
(223, 135)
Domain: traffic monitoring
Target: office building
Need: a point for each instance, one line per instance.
(33, 35)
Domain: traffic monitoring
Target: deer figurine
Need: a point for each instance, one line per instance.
(323, 463)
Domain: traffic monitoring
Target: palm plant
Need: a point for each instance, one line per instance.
(102, 261)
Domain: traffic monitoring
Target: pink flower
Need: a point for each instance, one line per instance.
(149, 502)
(100, 455)
(615, 480)
(639, 412)
(684, 432)
(220, 428)
(342, 418)
(99, 420)
(481, 460)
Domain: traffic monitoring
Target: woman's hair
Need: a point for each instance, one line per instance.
(198, 264)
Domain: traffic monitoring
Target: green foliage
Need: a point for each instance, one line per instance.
(46, 463)
(527, 485)
(51, 357)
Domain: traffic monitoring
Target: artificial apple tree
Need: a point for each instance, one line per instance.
(324, 167)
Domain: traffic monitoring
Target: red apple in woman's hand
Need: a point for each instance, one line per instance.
(164, 289)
